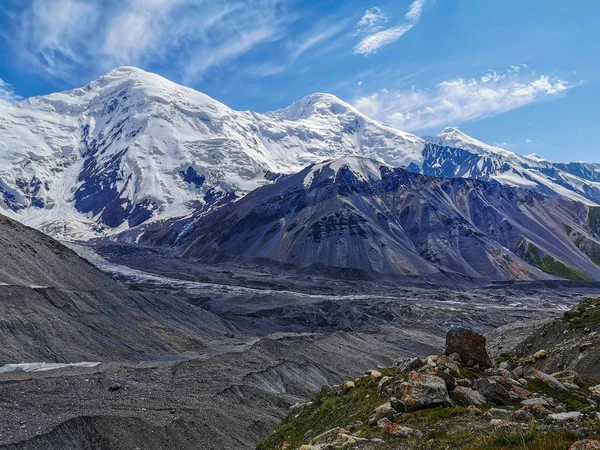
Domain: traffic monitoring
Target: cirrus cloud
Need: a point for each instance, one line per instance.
(66, 37)
(459, 100)
(7, 93)
(379, 39)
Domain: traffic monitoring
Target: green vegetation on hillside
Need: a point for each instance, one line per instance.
(568, 229)
(593, 217)
(553, 266)
(585, 314)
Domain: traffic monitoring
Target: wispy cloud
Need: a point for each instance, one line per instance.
(63, 37)
(460, 100)
(372, 20)
(322, 38)
(7, 93)
(379, 39)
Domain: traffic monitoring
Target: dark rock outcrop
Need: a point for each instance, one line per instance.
(469, 345)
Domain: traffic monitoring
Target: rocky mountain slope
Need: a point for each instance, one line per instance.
(361, 214)
(57, 307)
(460, 399)
(452, 153)
(132, 148)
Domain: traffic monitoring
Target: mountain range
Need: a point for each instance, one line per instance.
(132, 148)
(137, 158)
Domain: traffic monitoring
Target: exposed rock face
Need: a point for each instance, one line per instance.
(424, 390)
(469, 345)
(465, 396)
(493, 391)
(358, 213)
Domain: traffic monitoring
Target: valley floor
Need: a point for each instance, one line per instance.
(288, 335)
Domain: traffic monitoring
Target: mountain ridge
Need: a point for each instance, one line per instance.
(133, 148)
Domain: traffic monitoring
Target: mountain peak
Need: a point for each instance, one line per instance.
(315, 104)
(535, 157)
(453, 137)
(363, 169)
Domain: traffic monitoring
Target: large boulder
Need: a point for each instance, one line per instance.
(493, 391)
(423, 390)
(549, 380)
(469, 345)
(465, 396)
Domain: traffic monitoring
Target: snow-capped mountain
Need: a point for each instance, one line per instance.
(362, 214)
(452, 153)
(133, 147)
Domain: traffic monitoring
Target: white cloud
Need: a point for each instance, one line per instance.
(372, 20)
(64, 37)
(324, 37)
(7, 93)
(414, 13)
(377, 40)
(459, 100)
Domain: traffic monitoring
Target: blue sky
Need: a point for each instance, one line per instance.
(519, 74)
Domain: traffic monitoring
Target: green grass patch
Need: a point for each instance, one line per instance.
(568, 228)
(524, 440)
(584, 314)
(504, 356)
(553, 266)
(574, 400)
(326, 412)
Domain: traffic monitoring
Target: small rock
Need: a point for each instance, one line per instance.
(407, 365)
(349, 385)
(393, 430)
(474, 410)
(382, 384)
(115, 387)
(540, 354)
(522, 416)
(584, 346)
(398, 405)
(328, 436)
(456, 358)
(565, 417)
(518, 372)
(500, 413)
(383, 422)
(375, 375)
(385, 410)
(499, 423)
(560, 409)
(538, 411)
(569, 376)
(464, 382)
(595, 393)
(446, 363)
(585, 444)
(536, 401)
